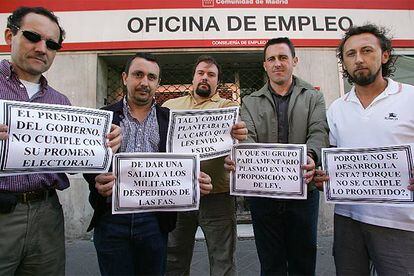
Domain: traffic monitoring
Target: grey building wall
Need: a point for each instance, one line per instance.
(75, 75)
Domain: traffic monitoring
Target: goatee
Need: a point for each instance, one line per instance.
(205, 93)
(364, 80)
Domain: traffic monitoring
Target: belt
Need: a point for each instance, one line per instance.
(39, 195)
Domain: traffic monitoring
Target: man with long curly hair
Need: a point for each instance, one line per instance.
(378, 111)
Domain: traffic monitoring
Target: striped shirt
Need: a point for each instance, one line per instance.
(12, 89)
(140, 136)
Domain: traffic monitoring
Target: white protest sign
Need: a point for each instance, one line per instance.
(206, 132)
(147, 182)
(269, 170)
(368, 175)
(53, 138)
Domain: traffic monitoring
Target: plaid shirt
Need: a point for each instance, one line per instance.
(12, 89)
(139, 136)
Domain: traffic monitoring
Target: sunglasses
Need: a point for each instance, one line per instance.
(35, 37)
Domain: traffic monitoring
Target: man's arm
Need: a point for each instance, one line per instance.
(317, 129)
(248, 120)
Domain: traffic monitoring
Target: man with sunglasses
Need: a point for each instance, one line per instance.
(35, 37)
(31, 217)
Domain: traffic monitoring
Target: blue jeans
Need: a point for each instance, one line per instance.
(285, 233)
(130, 244)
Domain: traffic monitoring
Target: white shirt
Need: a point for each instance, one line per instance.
(31, 87)
(388, 120)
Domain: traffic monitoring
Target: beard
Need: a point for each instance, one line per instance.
(363, 80)
(141, 100)
(205, 93)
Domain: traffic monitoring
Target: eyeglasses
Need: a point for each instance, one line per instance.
(35, 37)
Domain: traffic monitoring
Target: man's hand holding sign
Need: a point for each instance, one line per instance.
(52, 138)
(206, 132)
(157, 182)
(234, 130)
(367, 175)
(105, 182)
(270, 170)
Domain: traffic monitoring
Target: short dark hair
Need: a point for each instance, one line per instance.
(279, 40)
(146, 56)
(381, 33)
(14, 20)
(210, 60)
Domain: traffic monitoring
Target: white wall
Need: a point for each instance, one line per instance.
(319, 67)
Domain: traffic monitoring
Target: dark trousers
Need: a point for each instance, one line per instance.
(357, 244)
(217, 219)
(285, 233)
(130, 244)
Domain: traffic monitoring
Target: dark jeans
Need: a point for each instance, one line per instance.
(285, 234)
(130, 244)
(358, 245)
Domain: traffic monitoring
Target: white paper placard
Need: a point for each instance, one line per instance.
(53, 138)
(205, 132)
(368, 175)
(147, 182)
(269, 170)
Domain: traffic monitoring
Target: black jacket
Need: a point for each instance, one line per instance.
(166, 220)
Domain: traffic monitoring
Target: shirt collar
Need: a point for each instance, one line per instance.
(127, 110)
(6, 68)
(215, 98)
(289, 92)
(393, 87)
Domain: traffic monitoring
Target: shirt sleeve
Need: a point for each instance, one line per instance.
(317, 133)
(251, 129)
(333, 132)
